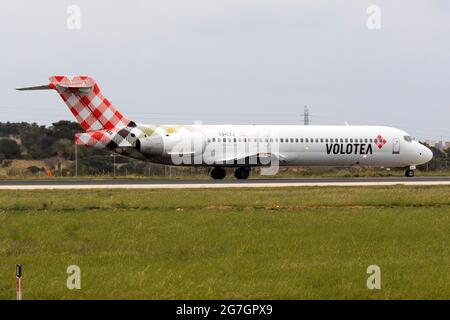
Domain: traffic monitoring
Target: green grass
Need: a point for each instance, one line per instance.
(280, 243)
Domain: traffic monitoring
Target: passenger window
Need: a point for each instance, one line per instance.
(365, 140)
(326, 140)
(301, 140)
(296, 140)
(321, 140)
(306, 140)
(214, 140)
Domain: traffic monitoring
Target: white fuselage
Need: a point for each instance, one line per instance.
(226, 145)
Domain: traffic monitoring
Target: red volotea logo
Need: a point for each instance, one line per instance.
(380, 141)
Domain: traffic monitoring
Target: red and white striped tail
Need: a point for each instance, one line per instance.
(86, 102)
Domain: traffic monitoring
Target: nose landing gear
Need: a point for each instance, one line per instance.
(409, 173)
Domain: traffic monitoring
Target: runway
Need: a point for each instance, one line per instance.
(227, 183)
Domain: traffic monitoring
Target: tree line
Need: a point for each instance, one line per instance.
(30, 141)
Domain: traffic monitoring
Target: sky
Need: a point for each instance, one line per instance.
(235, 62)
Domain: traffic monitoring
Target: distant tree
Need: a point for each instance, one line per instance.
(438, 154)
(10, 149)
(36, 141)
(63, 148)
(33, 169)
(64, 129)
(12, 128)
(438, 162)
(96, 165)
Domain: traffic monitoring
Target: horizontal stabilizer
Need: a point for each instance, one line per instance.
(44, 87)
(78, 82)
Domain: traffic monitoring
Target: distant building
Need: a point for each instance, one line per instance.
(431, 143)
(447, 145)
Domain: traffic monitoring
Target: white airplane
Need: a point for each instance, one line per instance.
(237, 146)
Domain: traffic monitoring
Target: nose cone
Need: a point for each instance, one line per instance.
(425, 154)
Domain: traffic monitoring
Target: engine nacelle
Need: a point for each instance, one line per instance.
(153, 145)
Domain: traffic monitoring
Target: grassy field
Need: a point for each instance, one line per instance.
(281, 243)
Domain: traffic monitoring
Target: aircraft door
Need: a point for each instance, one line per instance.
(395, 146)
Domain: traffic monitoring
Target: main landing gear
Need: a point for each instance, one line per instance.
(240, 173)
(218, 173)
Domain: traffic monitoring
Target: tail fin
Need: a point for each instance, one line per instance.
(86, 102)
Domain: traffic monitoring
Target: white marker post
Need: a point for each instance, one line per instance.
(18, 281)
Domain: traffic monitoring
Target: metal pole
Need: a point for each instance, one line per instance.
(76, 160)
(18, 281)
(114, 157)
(306, 116)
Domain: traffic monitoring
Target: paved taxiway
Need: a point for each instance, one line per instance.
(228, 183)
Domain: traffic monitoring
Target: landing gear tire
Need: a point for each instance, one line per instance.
(409, 173)
(218, 173)
(242, 173)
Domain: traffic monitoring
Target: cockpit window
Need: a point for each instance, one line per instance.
(407, 138)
